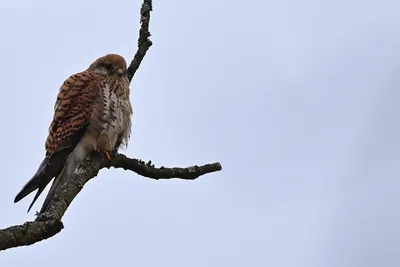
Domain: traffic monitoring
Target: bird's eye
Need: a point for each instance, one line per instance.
(108, 66)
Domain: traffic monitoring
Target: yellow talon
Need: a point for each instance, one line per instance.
(105, 152)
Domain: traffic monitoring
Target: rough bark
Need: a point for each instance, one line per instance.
(48, 223)
(144, 42)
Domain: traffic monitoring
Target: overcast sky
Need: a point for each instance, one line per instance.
(298, 100)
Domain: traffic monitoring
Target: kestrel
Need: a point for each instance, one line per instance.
(92, 112)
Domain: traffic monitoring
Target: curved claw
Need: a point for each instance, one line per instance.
(105, 152)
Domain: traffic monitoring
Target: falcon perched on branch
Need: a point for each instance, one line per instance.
(92, 112)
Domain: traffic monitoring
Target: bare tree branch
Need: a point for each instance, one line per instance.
(148, 170)
(48, 223)
(28, 233)
(144, 42)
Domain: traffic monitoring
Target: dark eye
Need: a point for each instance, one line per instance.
(108, 66)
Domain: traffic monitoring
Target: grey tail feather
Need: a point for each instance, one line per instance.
(40, 190)
(48, 169)
(53, 188)
(38, 181)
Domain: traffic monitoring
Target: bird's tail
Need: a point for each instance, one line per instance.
(38, 181)
(49, 168)
(53, 188)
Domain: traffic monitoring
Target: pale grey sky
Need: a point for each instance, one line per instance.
(297, 99)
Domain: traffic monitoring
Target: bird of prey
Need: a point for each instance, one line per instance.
(92, 113)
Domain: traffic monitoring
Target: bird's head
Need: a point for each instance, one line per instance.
(109, 65)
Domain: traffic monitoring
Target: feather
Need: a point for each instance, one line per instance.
(49, 168)
(72, 112)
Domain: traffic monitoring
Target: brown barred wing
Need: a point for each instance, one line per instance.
(72, 111)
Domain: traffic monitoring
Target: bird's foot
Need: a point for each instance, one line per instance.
(114, 153)
(105, 152)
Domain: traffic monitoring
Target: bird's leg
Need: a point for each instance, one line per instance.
(105, 152)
